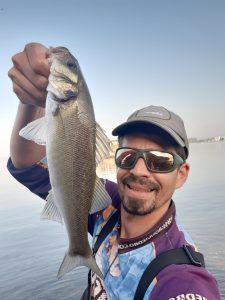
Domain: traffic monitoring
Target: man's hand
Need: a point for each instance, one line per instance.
(29, 74)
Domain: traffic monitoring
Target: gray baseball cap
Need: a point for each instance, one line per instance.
(158, 116)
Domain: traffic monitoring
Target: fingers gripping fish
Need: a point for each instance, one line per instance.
(74, 145)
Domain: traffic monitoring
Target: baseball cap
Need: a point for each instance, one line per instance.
(158, 116)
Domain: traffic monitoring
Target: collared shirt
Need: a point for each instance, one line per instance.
(123, 261)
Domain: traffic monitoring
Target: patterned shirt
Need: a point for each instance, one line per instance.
(123, 261)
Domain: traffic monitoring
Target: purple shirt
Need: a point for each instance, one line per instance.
(176, 282)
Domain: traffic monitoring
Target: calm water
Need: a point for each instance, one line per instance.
(31, 250)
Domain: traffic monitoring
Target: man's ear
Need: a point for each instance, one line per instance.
(182, 174)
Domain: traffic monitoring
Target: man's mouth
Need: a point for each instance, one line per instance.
(139, 188)
(140, 184)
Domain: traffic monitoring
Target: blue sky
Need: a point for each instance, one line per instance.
(132, 53)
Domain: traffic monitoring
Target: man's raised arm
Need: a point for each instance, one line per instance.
(29, 76)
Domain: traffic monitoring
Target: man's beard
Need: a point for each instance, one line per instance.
(139, 207)
(136, 208)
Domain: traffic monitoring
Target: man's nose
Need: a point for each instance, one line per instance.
(140, 168)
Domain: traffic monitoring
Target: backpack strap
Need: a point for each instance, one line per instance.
(102, 235)
(183, 255)
(106, 230)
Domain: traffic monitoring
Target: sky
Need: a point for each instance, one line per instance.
(132, 53)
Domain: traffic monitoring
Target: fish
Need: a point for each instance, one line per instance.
(75, 145)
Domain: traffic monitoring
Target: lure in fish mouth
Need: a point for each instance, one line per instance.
(75, 144)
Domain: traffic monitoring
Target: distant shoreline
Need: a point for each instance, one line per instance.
(208, 140)
(114, 145)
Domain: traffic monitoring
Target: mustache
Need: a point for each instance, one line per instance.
(141, 181)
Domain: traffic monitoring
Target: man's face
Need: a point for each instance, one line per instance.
(141, 190)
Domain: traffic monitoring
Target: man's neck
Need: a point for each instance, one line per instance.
(133, 226)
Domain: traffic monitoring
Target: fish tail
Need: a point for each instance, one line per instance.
(72, 261)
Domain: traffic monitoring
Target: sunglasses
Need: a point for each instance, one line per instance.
(155, 160)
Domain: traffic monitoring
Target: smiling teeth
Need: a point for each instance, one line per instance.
(141, 190)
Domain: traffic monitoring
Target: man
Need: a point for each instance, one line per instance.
(151, 165)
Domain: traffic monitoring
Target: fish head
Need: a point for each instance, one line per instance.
(64, 74)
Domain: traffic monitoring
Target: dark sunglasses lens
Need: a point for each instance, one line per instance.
(156, 161)
(126, 158)
(159, 161)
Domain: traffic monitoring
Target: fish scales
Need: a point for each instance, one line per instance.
(72, 179)
(69, 132)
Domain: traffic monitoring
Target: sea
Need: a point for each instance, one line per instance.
(31, 250)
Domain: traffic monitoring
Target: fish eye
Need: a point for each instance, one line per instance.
(71, 65)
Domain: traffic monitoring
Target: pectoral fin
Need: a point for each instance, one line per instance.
(35, 131)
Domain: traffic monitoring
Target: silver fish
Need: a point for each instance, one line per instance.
(74, 145)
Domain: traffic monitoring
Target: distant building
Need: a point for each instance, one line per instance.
(218, 138)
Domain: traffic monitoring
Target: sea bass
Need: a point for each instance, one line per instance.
(74, 145)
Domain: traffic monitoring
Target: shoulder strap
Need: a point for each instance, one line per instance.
(102, 235)
(184, 255)
(106, 230)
